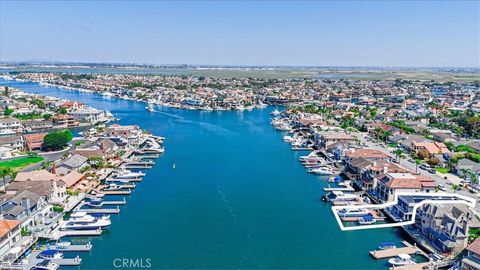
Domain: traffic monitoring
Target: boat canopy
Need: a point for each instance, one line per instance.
(368, 218)
(48, 252)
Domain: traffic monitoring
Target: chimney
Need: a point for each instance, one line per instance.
(102, 146)
(54, 168)
(385, 169)
(26, 203)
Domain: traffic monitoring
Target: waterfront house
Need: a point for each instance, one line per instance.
(9, 235)
(37, 125)
(326, 138)
(74, 162)
(404, 182)
(472, 260)
(367, 153)
(377, 171)
(64, 120)
(29, 208)
(88, 115)
(54, 191)
(446, 226)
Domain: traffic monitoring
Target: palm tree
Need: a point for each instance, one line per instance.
(398, 153)
(455, 187)
(416, 165)
(4, 172)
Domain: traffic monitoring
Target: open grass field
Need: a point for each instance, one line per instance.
(20, 163)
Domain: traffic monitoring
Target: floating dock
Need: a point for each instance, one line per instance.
(115, 192)
(393, 252)
(71, 248)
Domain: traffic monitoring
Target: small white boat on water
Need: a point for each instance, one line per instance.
(401, 259)
(288, 139)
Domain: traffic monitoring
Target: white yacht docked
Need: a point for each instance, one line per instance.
(127, 174)
(321, 171)
(82, 221)
(401, 259)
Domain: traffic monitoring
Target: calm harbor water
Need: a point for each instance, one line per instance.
(238, 198)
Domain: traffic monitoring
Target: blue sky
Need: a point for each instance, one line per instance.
(321, 33)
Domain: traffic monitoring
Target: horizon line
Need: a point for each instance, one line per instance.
(231, 65)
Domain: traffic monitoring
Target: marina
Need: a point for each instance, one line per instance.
(222, 145)
(392, 252)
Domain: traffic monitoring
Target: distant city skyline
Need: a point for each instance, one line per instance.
(265, 33)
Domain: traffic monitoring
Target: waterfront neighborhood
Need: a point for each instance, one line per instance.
(193, 134)
(394, 153)
(64, 167)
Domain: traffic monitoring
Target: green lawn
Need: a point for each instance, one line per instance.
(442, 170)
(20, 163)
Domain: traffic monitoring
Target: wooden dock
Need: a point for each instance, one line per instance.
(115, 192)
(393, 252)
(71, 248)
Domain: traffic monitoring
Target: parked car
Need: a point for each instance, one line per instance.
(431, 171)
(424, 166)
(442, 187)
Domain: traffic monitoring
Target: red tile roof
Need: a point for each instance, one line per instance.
(7, 225)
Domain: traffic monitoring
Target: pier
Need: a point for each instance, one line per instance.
(115, 192)
(71, 248)
(33, 261)
(393, 252)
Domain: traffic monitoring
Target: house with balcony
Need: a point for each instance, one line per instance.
(446, 226)
(9, 235)
(391, 183)
(326, 138)
(10, 125)
(472, 260)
